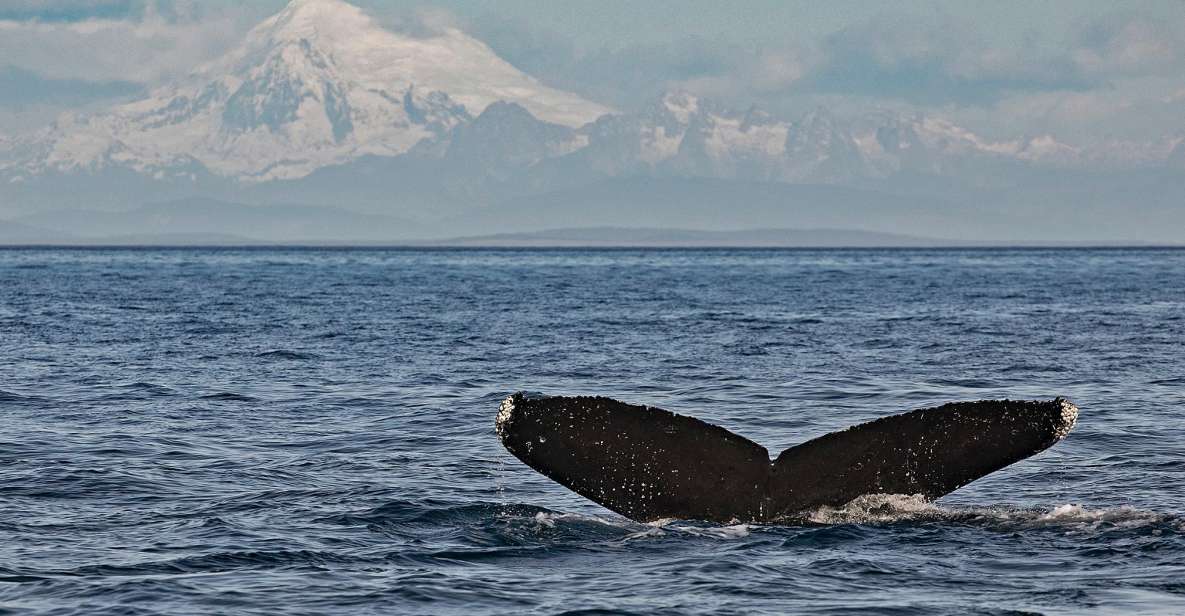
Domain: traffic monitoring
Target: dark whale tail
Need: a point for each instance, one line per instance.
(649, 464)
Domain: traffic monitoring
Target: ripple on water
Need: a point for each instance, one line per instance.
(282, 354)
(227, 396)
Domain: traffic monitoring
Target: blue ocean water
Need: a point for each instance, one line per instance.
(305, 431)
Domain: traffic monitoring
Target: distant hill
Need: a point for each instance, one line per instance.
(14, 233)
(656, 238)
(714, 204)
(206, 221)
(658, 213)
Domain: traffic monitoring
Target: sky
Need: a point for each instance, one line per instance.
(1083, 70)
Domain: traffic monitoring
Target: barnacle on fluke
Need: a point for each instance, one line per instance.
(648, 464)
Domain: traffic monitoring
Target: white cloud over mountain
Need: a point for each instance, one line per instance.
(148, 49)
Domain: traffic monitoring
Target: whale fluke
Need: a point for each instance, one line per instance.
(648, 464)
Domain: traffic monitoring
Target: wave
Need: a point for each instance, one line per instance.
(139, 390)
(147, 387)
(15, 398)
(514, 523)
(881, 509)
(431, 512)
(217, 561)
(286, 354)
(227, 396)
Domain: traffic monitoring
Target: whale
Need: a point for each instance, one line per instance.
(650, 464)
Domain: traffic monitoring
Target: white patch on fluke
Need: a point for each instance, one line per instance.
(504, 412)
(1069, 418)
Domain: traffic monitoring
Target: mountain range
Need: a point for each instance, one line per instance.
(321, 106)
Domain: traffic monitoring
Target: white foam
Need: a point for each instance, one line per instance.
(549, 519)
(1077, 517)
(891, 508)
(876, 509)
(735, 531)
(653, 531)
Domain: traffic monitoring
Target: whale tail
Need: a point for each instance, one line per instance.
(648, 464)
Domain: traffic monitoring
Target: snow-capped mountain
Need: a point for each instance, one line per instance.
(6, 151)
(894, 142)
(318, 84)
(319, 104)
(1176, 155)
(682, 135)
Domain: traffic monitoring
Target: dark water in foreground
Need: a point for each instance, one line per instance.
(311, 431)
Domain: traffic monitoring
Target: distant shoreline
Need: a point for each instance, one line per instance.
(439, 247)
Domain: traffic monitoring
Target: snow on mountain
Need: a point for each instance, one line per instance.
(1176, 156)
(498, 145)
(18, 150)
(893, 142)
(820, 148)
(318, 84)
(372, 59)
(664, 125)
(1046, 149)
(6, 152)
(721, 144)
(683, 135)
(1128, 154)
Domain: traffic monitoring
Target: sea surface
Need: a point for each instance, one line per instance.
(308, 431)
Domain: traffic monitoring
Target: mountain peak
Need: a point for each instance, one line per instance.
(319, 83)
(682, 104)
(310, 19)
(296, 6)
(377, 60)
(298, 11)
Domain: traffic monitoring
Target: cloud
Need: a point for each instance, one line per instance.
(1130, 44)
(707, 67)
(152, 46)
(892, 58)
(636, 74)
(68, 10)
(946, 61)
(20, 88)
(1145, 108)
(931, 64)
(1119, 74)
(65, 11)
(1134, 64)
(419, 22)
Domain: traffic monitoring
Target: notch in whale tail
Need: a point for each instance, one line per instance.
(648, 464)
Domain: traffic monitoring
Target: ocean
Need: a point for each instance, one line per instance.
(311, 431)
